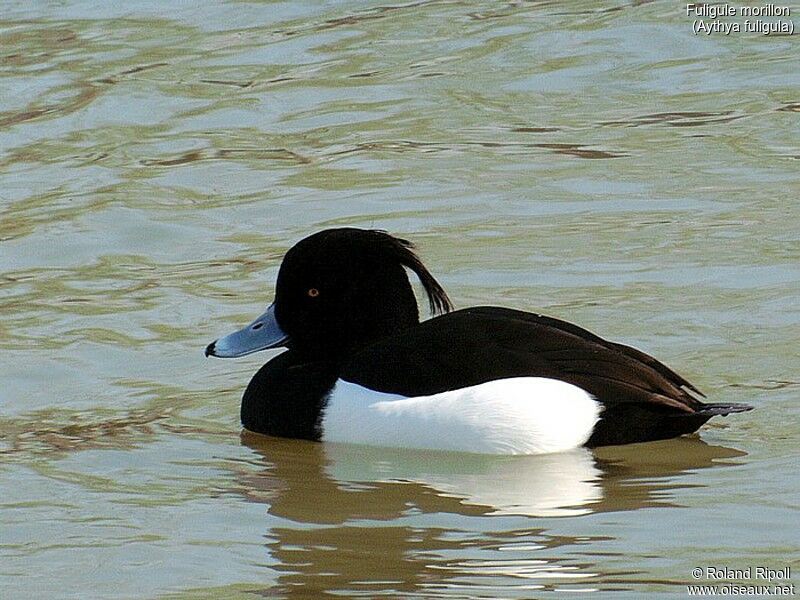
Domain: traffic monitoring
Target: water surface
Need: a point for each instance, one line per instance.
(591, 160)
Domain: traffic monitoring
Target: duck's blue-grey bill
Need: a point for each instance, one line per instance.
(261, 334)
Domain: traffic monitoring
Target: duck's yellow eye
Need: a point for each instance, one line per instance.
(313, 292)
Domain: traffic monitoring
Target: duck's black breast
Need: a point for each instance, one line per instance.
(287, 397)
(477, 345)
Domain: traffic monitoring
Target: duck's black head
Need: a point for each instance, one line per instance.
(338, 290)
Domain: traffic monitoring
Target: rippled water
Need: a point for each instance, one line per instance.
(595, 161)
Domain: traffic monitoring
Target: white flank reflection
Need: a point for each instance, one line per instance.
(552, 485)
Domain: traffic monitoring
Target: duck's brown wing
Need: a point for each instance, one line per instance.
(476, 345)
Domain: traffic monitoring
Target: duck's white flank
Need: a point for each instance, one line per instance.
(522, 415)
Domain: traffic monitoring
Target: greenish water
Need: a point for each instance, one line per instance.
(594, 161)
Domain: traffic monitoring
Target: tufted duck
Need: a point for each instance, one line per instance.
(360, 367)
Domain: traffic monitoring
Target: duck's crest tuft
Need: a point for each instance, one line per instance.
(403, 251)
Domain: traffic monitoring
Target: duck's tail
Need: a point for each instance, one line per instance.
(722, 408)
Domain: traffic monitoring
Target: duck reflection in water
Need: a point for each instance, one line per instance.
(365, 514)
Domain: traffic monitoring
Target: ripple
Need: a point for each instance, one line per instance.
(678, 119)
